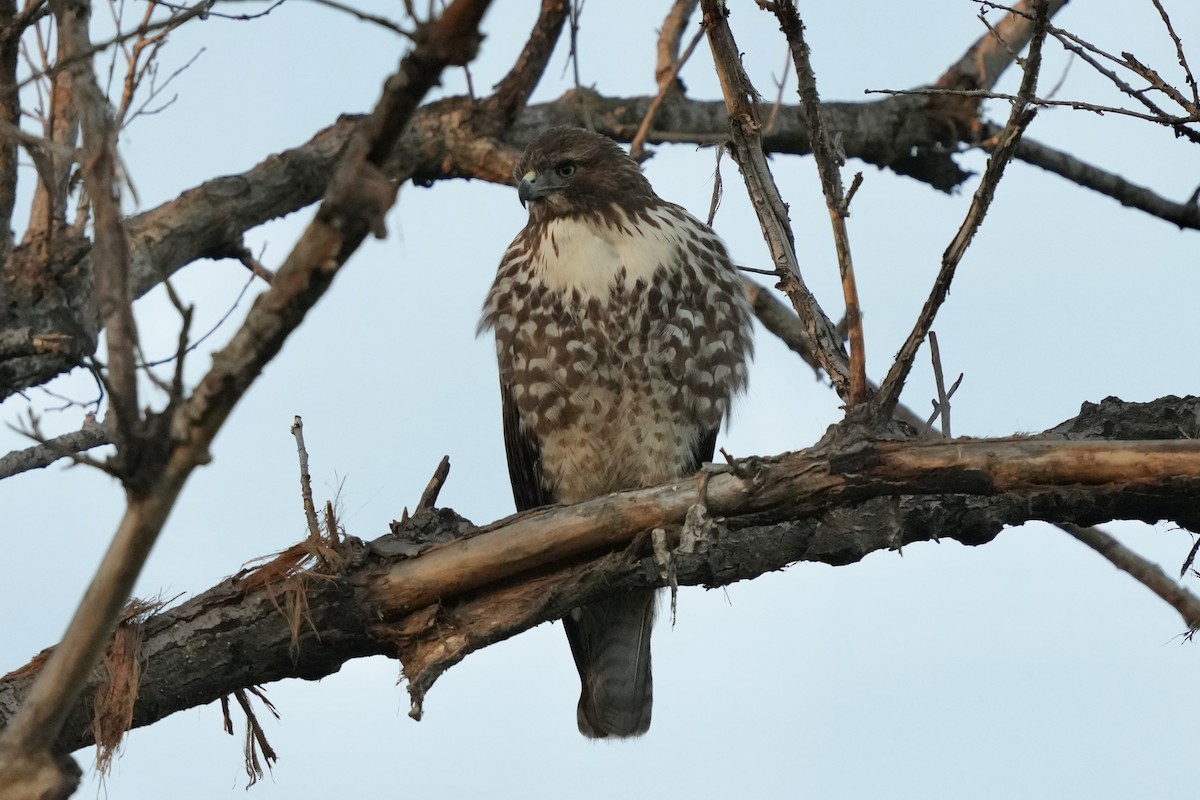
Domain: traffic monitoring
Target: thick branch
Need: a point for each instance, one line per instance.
(49, 328)
(442, 601)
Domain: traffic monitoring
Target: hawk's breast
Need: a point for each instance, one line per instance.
(622, 339)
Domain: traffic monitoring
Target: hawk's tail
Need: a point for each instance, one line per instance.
(610, 640)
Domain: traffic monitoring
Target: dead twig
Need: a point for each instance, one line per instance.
(666, 82)
(310, 510)
(256, 738)
(433, 489)
(1144, 572)
(46, 452)
(747, 150)
(829, 171)
(943, 401)
(902, 412)
(884, 402)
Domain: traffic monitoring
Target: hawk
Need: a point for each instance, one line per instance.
(622, 334)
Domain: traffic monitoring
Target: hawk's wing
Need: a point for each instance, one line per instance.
(704, 450)
(524, 458)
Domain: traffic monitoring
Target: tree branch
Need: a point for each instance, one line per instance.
(1185, 215)
(747, 150)
(1144, 572)
(670, 37)
(434, 596)
(514, 89)
(828, 169)
(92, 434)
(884, 402)
(353, 206)
(985, 61)
(49, 332)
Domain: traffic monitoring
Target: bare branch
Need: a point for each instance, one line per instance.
(747, 149)
(885, 400)
(351, 209)
(310, 508)
(987, 59)
(1175, 122)
(514, 89)
(829, 505)
(1179, 54)
(828, 168)
(1186, 215)
(1144, 572)
(666, 82)
(670, 38)
(92, 434)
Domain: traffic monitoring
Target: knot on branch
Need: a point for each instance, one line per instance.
(413, 535)
(361, 197)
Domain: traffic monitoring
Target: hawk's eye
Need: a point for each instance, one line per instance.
(566, 169)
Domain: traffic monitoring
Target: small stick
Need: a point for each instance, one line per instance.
(331, 528)
(310, 510)
(719, 188)
(943, 398)
(430, 495)
(638, 145)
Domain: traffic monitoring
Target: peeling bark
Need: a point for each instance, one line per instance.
(835, 504)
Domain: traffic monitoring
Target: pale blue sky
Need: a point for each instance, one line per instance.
(1026, 668)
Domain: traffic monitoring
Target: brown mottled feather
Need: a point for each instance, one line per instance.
(622, 335)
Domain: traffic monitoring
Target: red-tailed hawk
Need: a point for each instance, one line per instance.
(622, 334)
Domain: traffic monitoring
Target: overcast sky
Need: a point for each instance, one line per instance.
(1025, 668)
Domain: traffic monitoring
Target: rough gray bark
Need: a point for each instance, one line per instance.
(48, 325)
(236, 634)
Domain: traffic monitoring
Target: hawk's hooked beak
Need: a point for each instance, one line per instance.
(536, 185)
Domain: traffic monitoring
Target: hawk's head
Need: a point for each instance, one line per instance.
(569, 171)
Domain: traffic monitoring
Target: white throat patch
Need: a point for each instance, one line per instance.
(587, 255)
